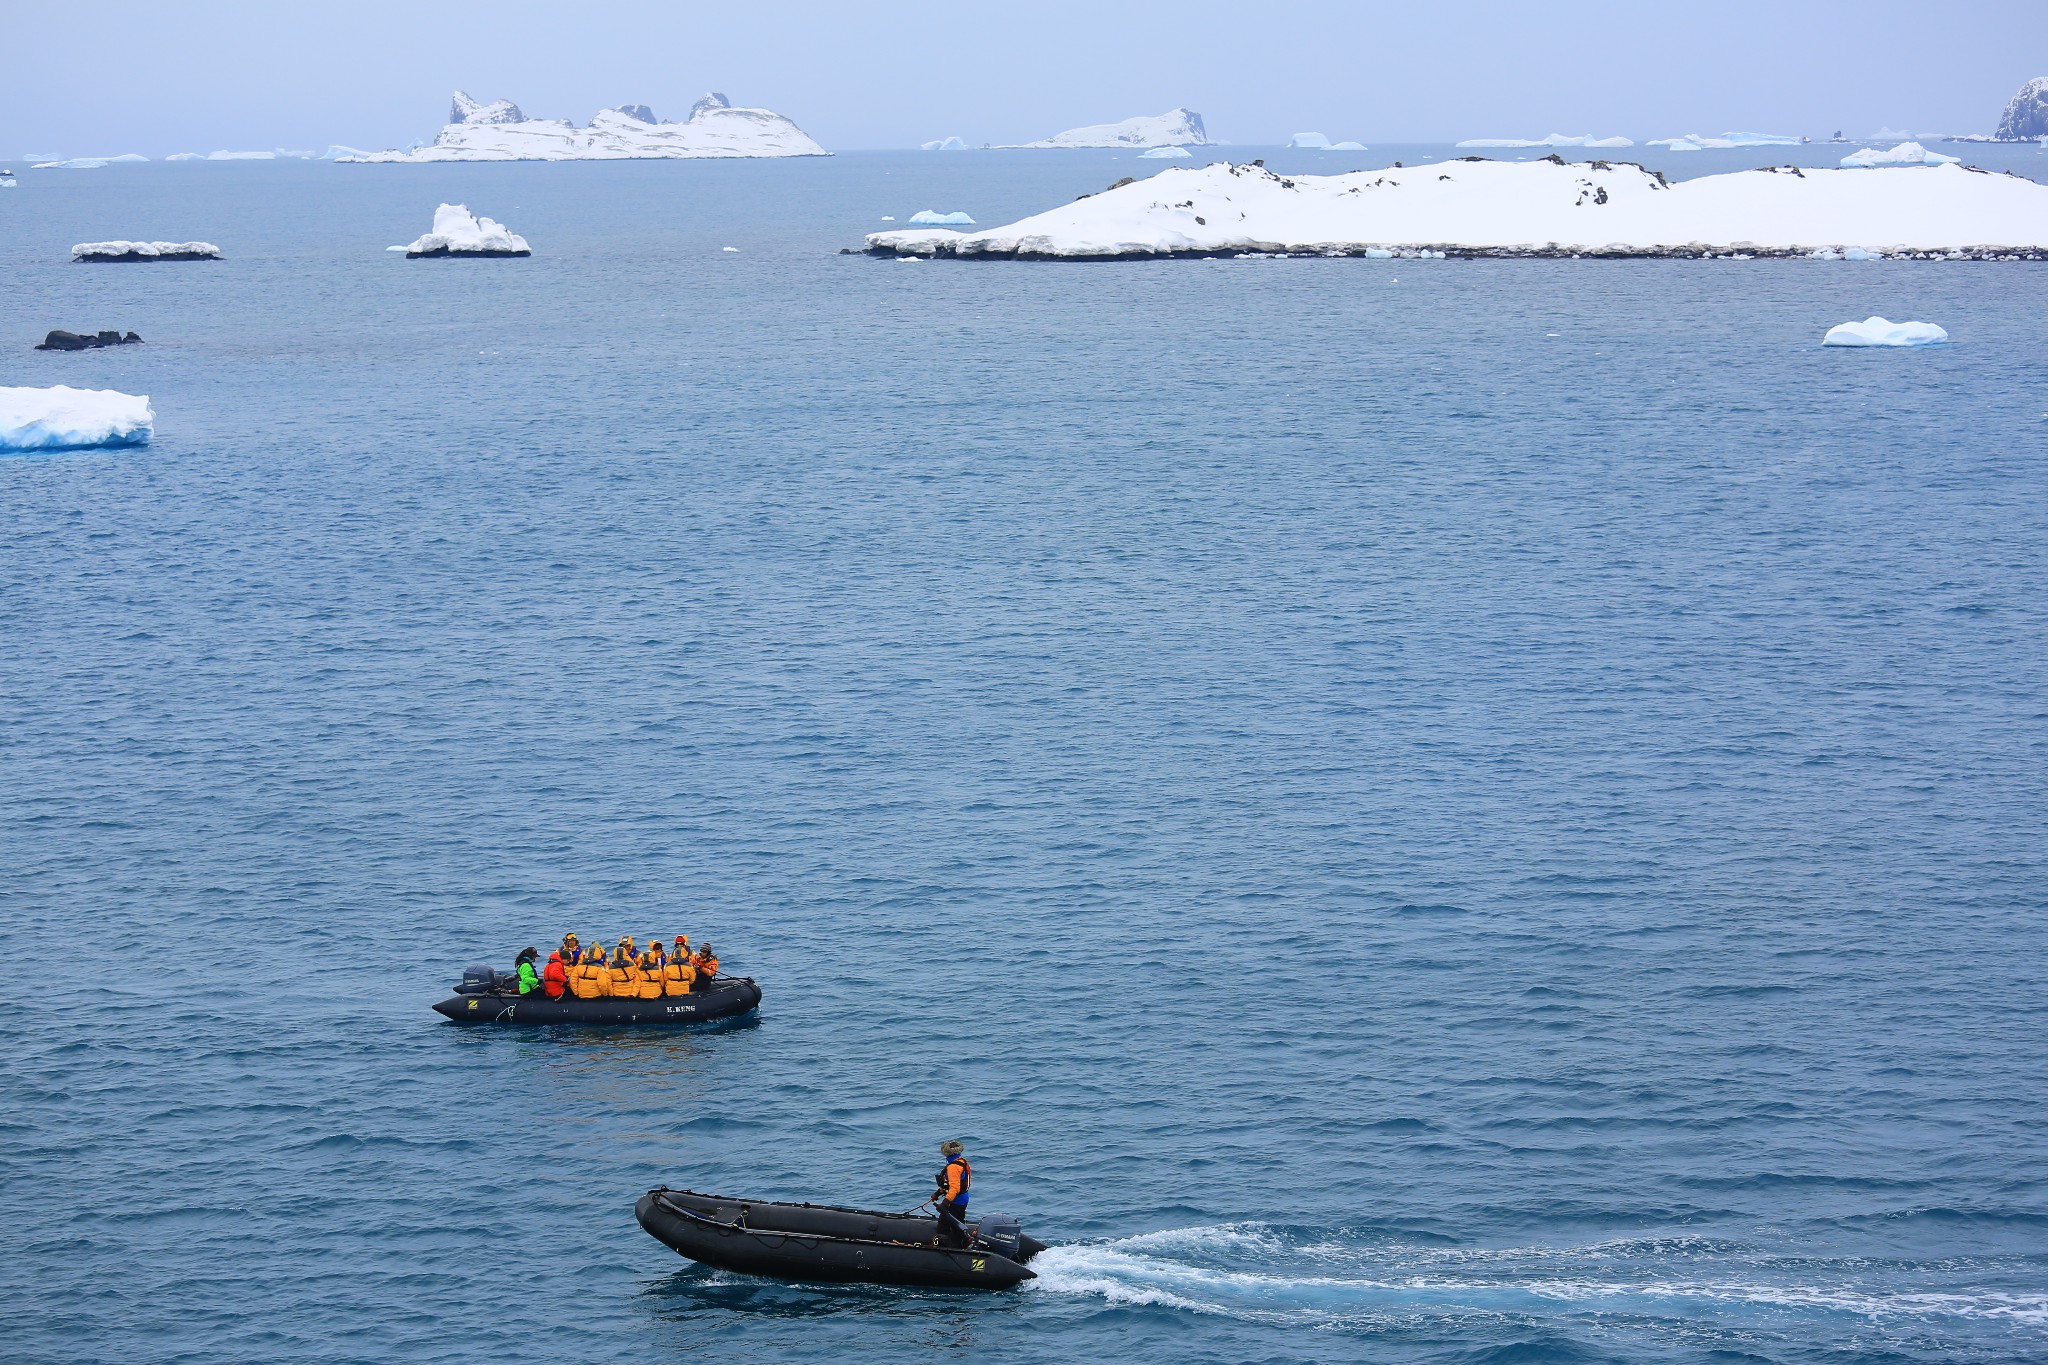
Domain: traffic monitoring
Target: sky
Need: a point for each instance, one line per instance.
(206, 75)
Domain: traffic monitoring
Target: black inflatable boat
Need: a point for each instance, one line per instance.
(487, 997)
(821, 1242)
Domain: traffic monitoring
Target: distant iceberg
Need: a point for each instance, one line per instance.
(933, 218)
(1905, 154)
(1879, 332)
(340, 153)
(1311, 141)
(76, 163)
(63, 418)
(1554, 140)
(1347, 146)
(241, 156)
(458, 232)
(1694, 142)
(499, 131)
(1175, 127)
(186, 156)
(946, 144)
(1166, 154)
(145, 251)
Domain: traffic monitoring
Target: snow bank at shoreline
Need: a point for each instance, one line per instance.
(1534, 208)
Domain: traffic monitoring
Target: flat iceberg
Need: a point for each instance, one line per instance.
(1313, 141)
(500, 132)
(1879, 332)
(933, 218)
(1694, 142)
(946, 144)
(1175, 127)
(1542, 207)
(458, 232)
(1166, 154)
(186, 156)
(1554, 140)
(1905, 154)
(1347, 146)
(63, 418)
(76, 163)
(145, 251)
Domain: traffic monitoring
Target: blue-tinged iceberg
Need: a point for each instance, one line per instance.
(1880, 332)
(946, 144)
(1311, 141)
(1166, 154)
(1905, 154)
(64, 418)
(1174, 128)
(933, 218)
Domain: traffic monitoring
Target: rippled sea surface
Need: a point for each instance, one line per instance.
(1407, 811)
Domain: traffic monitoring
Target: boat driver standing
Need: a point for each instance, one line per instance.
(951, 1196)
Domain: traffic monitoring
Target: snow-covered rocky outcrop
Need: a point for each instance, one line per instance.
(1905, 154)
(500, 132)
(1879, 332)
(145, 251)
(1174, 128)
(64, 418)
(1554, 140)
(2026, 117)
(1549, 207)
(458, 232)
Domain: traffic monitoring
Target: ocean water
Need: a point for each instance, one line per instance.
(1407, 811)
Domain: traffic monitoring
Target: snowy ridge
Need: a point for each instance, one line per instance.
(64, 418)
(458, 232)
(500, 132)
(1538, 208)
(145, 251)
(1175, 127)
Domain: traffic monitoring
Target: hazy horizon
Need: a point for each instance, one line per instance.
(251, 77)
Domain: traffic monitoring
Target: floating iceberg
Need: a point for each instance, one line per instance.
(1347, 146)
(63, 418)
(1175, 127)
(1879, 332)
(1693, 142)
(1521, 208)
(76, 163)
(1905, 154)
(458, 232)
(1166, 154)
(1554, 140)
(946, 144)
(1311, 141)
(933, 218)
(500, 132)
(145, 251)
(186, 156)
(340, 153)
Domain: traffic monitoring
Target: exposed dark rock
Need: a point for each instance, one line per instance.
(1127, 180)
(81, 341)
(2027, 116)
(444, 251)
(638, 111)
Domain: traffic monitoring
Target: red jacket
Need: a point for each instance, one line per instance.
(555, 980)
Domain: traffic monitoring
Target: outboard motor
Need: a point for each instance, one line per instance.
(477, 981)
(999, 1233)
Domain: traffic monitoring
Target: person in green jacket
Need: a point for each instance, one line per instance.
(529, 978)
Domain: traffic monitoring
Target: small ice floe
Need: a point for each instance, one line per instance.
(933, 218)
(946, 144)
(733, 249)
(145, 251)
(888, 217)
(64, 418)
(458, 232)
(1165, 154)
(1905, 154)
(1879, 332)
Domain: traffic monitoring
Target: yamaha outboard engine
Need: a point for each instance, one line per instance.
(477, 981)
(999, 1233)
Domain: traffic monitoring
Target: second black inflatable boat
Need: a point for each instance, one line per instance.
(821, 1242)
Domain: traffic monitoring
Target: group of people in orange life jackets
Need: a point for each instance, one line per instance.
(626, 972)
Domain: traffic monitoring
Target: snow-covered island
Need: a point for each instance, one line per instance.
(1549, 207)
(1174, 128)
(2026, 117)
(458, 232)
(64, 418)
(500, 132)
(145, 251)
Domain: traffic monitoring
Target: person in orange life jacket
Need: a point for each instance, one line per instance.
(706, 963)
(955, 1178)
(529, 979)
(554, 981)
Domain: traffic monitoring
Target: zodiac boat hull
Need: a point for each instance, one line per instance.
(819, 1242)
(728, 998)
